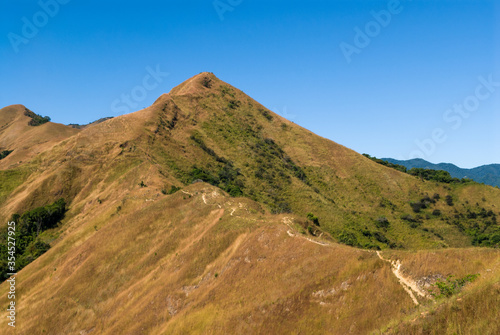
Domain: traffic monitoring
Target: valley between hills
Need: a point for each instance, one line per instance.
(206, 213)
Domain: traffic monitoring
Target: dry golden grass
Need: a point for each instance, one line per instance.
(154, 271)
(179, 265)
(474, 310)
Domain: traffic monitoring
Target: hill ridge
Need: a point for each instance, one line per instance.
(26, 137)
(488, 174)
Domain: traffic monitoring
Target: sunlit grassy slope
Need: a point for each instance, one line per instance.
(131, 259)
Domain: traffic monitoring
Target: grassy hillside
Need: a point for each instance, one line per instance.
(231, 141)
(199, 261)
(207, 130)
(206, 212)
(27, 134)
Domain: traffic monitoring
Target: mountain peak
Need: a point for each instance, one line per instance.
(13, 114)
(26, 134)
(197, 84)
(12, 111)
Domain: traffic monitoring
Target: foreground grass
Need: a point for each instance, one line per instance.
(474, 311)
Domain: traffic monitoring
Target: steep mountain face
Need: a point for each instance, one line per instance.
(487, 174)
(248, 243)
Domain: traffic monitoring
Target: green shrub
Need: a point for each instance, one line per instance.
(5, 153)
(417, 206)
(226, 90)
(29, 226)
(412, 221)
(227, 178)
(233, 104)
(491, 239)
(380, 237)
(451, 286)
(36, 120)
(371, 246)
(233, 190)
(313, 218)
(41, 218)
(207, 82)
(266, 114)
(408, 217)
(172, 190)
(382, 222)
(196, 137)
(429, 174)
(37, 248)
(348, 238)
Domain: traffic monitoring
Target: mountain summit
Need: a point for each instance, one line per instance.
(197, 84)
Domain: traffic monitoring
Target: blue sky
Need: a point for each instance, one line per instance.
(387, 87)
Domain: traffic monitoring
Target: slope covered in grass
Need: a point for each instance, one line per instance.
(206, 212)
(207, 130)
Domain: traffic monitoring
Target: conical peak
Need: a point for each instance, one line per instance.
(198, 84)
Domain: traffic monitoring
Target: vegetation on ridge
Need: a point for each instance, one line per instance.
(424, 174)
(83, 126)
(487, 174)
(36, 120)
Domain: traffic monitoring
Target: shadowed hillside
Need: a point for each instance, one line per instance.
(206, 212)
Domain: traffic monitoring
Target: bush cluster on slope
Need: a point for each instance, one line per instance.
(452, 286)
(225, 176)
(29, 226)
(36, 120)
(479, 224)
(5, 153)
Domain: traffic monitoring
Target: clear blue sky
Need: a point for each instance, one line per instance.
(289, 55)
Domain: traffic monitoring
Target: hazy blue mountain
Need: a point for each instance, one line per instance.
(488, 174)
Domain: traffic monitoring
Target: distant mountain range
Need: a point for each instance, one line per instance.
(487, 174)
